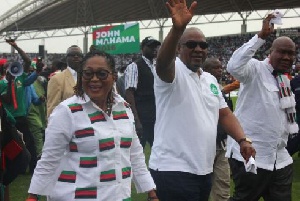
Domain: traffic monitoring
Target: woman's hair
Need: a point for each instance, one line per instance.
(109, 59)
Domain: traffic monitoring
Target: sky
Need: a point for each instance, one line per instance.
(60, 45)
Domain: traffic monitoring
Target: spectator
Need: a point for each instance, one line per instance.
(220, 190)
(31, 96)
(139, 90)
(120, 84)
(60, 86)
(37, 115)
(57, 67)
(293, 144)
(13, 114)
(295, 87)
(16, 105)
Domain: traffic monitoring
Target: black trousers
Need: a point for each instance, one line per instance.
(181, 186)
(22, 126)
(273, 185)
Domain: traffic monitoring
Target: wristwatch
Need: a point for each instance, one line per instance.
(245, 139)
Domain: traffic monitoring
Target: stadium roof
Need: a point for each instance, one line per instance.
(45, 15)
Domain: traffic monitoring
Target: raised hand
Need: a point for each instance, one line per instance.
(180, 13)
(11, 42)
(267, 28)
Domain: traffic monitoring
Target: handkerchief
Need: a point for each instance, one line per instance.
(277, 19)
(251, 166)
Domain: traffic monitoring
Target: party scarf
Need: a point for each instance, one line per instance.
(287, 101)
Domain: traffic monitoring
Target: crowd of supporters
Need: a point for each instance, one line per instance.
(220, 47)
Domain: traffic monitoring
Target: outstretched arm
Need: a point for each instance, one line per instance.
(241, 65)
(181, 16)
(24, 56)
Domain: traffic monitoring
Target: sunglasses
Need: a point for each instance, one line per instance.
(191, 44)
(74, 55)
(101, 74)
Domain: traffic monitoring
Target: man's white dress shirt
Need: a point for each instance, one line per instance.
(258, 108)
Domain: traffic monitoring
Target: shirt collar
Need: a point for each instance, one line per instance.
(150, 63)
(268, 64)
(189, 71)
(73, 72)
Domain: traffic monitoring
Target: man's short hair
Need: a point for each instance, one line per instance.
(72, 46)
(210, 63)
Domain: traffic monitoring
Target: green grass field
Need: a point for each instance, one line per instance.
(18, 189)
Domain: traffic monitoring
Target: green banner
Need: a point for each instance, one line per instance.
(120, 39)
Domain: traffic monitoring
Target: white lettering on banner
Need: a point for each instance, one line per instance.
(114, 40)
(104, 34)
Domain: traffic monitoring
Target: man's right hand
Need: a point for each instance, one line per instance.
(181, 15)
(267, 28)
(247, 150)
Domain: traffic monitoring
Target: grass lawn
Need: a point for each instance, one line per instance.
(18, 189)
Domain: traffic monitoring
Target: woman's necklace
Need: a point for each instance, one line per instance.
(108, 106)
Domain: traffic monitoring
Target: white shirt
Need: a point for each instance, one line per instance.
(73, 72)
(131, 73)
(187, 113)
(85, 148)
(258, 109)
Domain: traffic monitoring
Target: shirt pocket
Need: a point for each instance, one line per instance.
(84, 141)
(126, 128)
(270, 87)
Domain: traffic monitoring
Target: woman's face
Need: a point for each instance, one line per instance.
(97, 79)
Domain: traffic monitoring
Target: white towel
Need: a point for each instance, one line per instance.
(251, 166)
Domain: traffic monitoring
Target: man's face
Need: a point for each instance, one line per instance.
(74, 57)
(216, 70)
(150, 51)
(31, 69)
(190, 54)
(283, 55)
